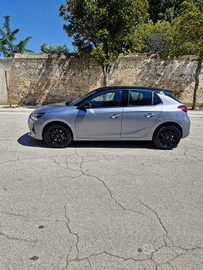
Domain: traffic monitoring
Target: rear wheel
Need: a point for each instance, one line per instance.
(167, 137)
(58, 135)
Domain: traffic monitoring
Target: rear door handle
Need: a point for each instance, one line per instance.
(149, 115)
(114, 116)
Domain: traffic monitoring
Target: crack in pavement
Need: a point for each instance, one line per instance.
(107, 188)
(73, 233)
(189, 157)
(12, 214)
(28, 159)
(179, 255)
(67, 259)
(18, 239)
(170, 265)
(171, 247)
(66, 164)
(104, 253)
(161, 223)
(168, 243)
(89, 263)
(150, 258)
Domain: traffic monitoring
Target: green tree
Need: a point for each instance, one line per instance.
(154, 37)
(58, 49)
(188, 36)
(7, 48)
(164, 9)
(102, 29)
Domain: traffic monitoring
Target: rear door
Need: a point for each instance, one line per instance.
(140, 114)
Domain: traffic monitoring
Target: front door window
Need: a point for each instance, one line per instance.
(106, 100)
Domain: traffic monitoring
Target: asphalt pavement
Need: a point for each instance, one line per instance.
(99, 205)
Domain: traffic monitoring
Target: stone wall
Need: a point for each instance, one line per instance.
(5, 66)
(41, 79)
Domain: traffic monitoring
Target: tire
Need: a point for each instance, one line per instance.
(58, 135)
(167, 137)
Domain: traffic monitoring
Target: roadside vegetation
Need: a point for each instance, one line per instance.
(187, 36)
(102, 29)
(57, 49)
(7, 40)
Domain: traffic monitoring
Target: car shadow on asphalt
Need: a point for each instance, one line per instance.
(26, 140)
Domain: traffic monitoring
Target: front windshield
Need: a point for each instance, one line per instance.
(76, 101)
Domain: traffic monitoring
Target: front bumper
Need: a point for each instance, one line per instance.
(35, 129)
(31, 127)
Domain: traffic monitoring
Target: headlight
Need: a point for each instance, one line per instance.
(36, 116)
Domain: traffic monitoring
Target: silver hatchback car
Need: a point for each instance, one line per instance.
(113, 113)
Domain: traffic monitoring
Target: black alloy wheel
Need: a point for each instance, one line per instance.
(58, 135)
(167, 137)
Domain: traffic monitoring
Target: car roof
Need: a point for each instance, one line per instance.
(157, 90)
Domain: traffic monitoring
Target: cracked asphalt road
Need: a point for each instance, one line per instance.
(99, 205)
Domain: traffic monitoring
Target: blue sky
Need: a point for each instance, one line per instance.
(37, 18)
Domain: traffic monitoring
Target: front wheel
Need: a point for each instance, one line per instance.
(167, 137)
(58, 135)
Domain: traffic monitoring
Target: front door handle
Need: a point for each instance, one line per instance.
(114, 116)
(149, 115)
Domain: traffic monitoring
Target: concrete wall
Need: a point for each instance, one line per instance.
(5, 65)
(41, 79)
(172, 74)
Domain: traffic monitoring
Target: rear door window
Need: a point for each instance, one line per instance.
(139, 98)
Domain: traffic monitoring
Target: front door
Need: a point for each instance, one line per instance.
(103, 119)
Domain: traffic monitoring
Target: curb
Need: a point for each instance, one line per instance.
(195, 113)
(5, 108)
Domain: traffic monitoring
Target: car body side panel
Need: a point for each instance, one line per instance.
(138, 120)
(66, 116)
(99, 123)
(181, 118)
(171, 116)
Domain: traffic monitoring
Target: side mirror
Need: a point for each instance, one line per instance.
(84, 106)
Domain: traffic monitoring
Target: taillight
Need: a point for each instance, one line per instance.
(182, 108)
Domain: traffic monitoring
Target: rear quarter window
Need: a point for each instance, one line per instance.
(156, 99)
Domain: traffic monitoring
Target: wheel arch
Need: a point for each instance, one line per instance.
(53, 123)
(170, 123)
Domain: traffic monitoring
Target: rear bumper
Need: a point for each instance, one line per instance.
(186, 132)
(186, 127)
